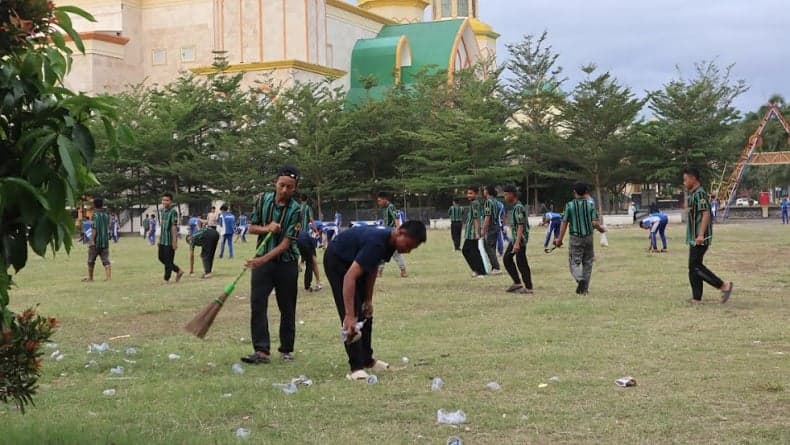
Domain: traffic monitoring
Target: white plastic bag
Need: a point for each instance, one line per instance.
(604, 240)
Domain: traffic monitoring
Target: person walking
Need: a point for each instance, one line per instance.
(470, 248)
(519, 269)
(390, 218)
(275, 213)
(168, 238)
(307, 249)
(350, 264)
(490, 230)
(699, 235)
(580, 219)
(99, 242)
(785, 206)
(115, 228)
(152, 230)
(228, 223)
(456, 214)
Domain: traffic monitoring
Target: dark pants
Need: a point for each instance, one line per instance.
(581, 252)
(455, 232)
(208, 249)
(699, 273)
(521, 262)
(360, 353)
(472, 256)
(490, 243)
(226, 239)
(166, 257)
(785, 216)
(306, 247)
(662, 228)
(282, 278)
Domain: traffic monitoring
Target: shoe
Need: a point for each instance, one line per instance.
(256, 358)
(179, 275)
(514, 288)
(358, 375)
(380, 365)
(581, 287)
(694, 302)
(206, 276)
(526, 291)
(287, 356)
(317, 287)
(725, 294)
(403, 273)
(495, 272)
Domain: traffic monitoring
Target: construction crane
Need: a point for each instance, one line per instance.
(729, 188)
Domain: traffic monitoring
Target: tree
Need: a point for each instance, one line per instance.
(599, 119)
(47, 152)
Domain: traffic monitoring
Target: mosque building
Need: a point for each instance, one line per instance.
(282, 41)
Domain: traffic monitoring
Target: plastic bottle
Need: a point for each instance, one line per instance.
(493, 386)
(237, 369)
(450, 417)
(437, 384)
(372, 379)
(131, 351)
(109, 392)
(242, 433)
(288, 388)
(117, 370)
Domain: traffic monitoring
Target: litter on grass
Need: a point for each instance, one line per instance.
(625, 381)
(493, 386)
(450, 417)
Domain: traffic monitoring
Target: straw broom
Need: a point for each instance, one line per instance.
(204, 319)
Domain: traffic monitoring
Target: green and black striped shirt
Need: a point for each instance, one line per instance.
(491, 208)
(456, 213)
(518, 217)
(580, 214)
(389, 215)
(197, 238)
(289, 216)
(475, 211)
(169, 219)
(307, 215)
(101, 225)
(697, 204)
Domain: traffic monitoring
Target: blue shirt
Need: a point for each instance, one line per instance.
(552, 216)
(785, 204)
(656, 219)
(193, 221)
(228, 223)
(368, 246)
(243, 221)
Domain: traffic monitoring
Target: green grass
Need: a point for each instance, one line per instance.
(707, 374)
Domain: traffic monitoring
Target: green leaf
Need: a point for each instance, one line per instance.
(64, 150)
(83, 139)
(64, 23)
(35, 193)
(42, 234)
(76, 11)
(59, 41)
(15, 250)
(33, 154)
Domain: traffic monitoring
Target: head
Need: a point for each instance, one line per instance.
(286, 182)
(511, 194)
(224, 208)
(303, 198)
(580, 189)
(490, 191)
(213, 209)
(409, 236)
(643, 225)
(383, 199)
(98, 203)
(690, 178)
(167, 200)
(471, 193)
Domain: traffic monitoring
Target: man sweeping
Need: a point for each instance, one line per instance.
(351, 264)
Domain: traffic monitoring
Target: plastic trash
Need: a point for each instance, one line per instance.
(450, 417)
(50, 345)
(437, 384)
(625, 381)
(174, 356)
(344, 335)
(303, 380)
(131, 362)
(493, 386)
(94, 348)
(131, 351)
(108, 392)
(604, 240)
(455, 440)
(543, 385)
(242, 433)
(117, 370)
(405, 360)
(91, 364)
(554, 379)
(227, 395)
(372, 379)
(57, 355)
(288, 388)
(237, 369)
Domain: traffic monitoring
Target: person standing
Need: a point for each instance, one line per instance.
(114, 228)
(490, 230)
(472, 234)
(99, 242)
(168, 238)
(390, 218)
(275, 213)
(699, 234)
(518, 246)
(350, 263)
(656, 224)
(785, 205)
(207, 238)
(456, 214)
(152, 230)
(553, 221)
(243, 227)
(580, 218)
(146, 226)
(212, 219)
(307, 248)
(228, 222)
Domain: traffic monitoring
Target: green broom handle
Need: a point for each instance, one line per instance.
(231, 286)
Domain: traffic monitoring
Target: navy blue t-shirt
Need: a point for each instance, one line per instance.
(368, 246)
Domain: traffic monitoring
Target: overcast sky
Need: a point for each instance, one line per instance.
(642, 41)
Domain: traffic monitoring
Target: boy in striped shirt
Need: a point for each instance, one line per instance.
(99, 242)
(699, 234)
(580, 219)
(168, 238)
(490, 230)
(391, 220)
(456, 214)
(518, 246)
(472, 234)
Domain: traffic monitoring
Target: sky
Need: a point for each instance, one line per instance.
(643, 43)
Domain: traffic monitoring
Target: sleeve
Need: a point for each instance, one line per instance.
(701, 203)
(294, 225)
(519, 216)
(566, 215)
(256, 217)
(593, 213)
(487, 210)
(391, 213)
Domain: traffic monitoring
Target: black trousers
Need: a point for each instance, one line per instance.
(307, 251)
(360, 353)
(521, 262)
(455, 232)
(209, 249)
(472, 256)
(282, 278)
(167, 256)
(699, 273)
(491, 238)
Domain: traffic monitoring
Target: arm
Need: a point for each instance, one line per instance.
(174, 231)
(270, 255)
(191, 260)
(367, 305)
(703, 226)
(354, 273)
(476, 223)
(255, 229)
(519, 237)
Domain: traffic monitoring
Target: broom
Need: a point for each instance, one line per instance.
(204, 319)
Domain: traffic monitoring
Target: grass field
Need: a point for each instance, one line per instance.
(706, 374)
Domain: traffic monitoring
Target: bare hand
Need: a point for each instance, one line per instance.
(516, 247)
(558, 242)
(367, 309)
(350, 326)
(699, 240)
(273, 227)
(252, 263)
